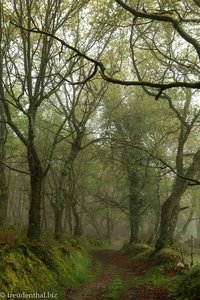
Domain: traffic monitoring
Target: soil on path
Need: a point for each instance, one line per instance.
(115, 263)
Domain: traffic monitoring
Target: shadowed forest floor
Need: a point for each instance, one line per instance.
(117, 266)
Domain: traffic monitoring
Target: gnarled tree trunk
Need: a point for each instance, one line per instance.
(171, 207)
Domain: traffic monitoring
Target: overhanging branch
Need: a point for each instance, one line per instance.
(14, 169)
(160, 87)
(191, 181)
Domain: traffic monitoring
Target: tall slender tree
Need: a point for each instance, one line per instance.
(3, 127)
(32, 64)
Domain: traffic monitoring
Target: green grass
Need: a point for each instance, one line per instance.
(156, 278)
(112, 291)
(81, 273)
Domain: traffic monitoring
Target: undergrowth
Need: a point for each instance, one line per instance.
(161, 274)
(189, 286)
(112, 291)
(46, 266)
(157, 278)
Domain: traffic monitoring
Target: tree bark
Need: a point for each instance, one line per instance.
(36, 179)
(169, 214)
(3, 197)
(170, 209)
(156, 230)
(69, 215)
(58, 223)
(3, 135)
(3, 189)
(77, 226)
(134, 208)
(134, 218)
(133, 229)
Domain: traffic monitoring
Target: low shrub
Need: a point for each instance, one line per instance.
(189, 286)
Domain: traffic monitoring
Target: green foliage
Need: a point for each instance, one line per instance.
(189, 286)
(113, 289)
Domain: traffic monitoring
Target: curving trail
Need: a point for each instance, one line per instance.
(115, 263)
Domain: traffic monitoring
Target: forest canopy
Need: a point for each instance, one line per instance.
(84, 146)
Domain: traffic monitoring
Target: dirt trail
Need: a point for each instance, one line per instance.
(115, 263)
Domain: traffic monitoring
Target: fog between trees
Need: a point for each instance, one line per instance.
(99, 104)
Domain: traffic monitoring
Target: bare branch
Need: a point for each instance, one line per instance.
(14, 169)
(159, 86)
(187, 177)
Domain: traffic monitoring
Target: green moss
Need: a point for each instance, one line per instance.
(166, 256)
(21, 272)
(139, 251)
(43, 266)
(135, 249)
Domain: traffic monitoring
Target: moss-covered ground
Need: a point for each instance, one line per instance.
(61, 268)
(43, 267)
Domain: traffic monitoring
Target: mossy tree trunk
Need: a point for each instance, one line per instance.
(134, 208)
(3, 134)
(58, 229)
(36, 180)
(134, 222)
(155, 233)
(3, 179)
(171, 207)
(68, 226)
(77, 220)
(3, 182)
(169, 214)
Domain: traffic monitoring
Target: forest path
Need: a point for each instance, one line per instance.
(117, 264)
